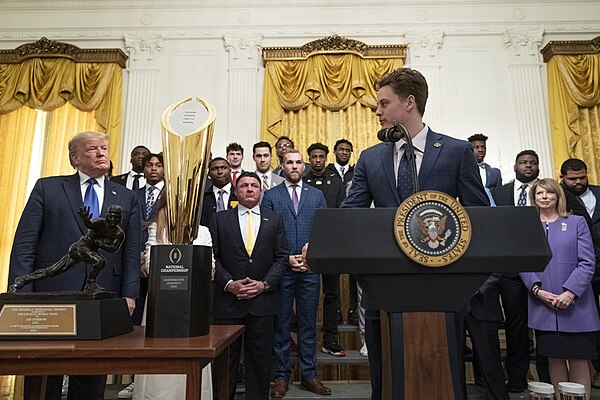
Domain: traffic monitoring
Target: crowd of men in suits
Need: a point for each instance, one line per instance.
(260, 222)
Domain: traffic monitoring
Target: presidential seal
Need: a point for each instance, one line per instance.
(432, 228)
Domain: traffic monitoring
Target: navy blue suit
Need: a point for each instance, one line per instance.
(493, 178)
(448, 165)
(50, 223)
(268, 262)
(304, 287)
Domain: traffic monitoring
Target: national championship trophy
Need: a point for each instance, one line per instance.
(180, 289)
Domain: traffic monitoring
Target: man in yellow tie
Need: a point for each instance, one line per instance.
(251, 256)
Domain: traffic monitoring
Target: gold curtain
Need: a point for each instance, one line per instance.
(322, 99)
(574, 105)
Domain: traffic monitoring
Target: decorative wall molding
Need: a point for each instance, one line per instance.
(566, 47)
(525, 45)
(244, 50)
(143, 52)
(46, 48)
(425, 47)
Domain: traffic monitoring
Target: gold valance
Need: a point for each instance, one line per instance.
(571, 47)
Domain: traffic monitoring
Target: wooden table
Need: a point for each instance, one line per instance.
(131, 353)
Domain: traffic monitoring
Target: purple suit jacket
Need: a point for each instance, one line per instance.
(571, 267)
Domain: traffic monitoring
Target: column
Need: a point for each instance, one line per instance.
(243, 104)
(142, 124)
(424, 56)
(524, 65)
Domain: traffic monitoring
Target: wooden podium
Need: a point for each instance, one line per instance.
(418, 299)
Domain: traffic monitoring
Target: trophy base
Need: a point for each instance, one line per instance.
(63, 316)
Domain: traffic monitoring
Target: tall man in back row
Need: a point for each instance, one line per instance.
(51, 223)
(443, 163)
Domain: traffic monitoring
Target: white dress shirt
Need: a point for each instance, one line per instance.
(98, 187)
(226, 193)
(418, 142)
(589, 201)
(517, 191)
(131, 177)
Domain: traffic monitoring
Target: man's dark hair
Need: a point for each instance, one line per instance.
(150, 155)
(140, 147)
(343, 141)
(234, 147)
(572, 164)
(478, 137)
(317, 146)
(406, 82)
(248, 174)
(217, 159)
(261, 144)
(527, 153)
(282, 138)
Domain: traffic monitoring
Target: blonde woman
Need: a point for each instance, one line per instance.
(561, 302)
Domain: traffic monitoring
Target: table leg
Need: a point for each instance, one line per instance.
(193, 382)
(37, 387)
(221, 366)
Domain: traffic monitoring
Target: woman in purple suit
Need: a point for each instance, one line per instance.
(561, 302)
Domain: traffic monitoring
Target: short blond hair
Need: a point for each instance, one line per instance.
(78, 140)
(551, 186)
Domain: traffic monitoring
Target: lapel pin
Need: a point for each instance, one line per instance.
(113, 192)
(437, 144)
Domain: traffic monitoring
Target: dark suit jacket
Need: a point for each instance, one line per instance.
(141, 193)
(330, 184)
(448, 166)
(485, 305)
(493, 177)
(209, 206)
(50, 223)
(348, 173)
(504, 195)
(575, 204)
(120, 179)
(297, 227)
(268, 262)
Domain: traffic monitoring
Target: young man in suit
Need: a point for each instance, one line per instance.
(584, 199)
(261, 154)
(220, 196)
(134, 179)
(50, 223)
(490, 176)
(251, 256)
(282, 146)
(512, 290)
(235, 155)
(443, 163)
(297, 203)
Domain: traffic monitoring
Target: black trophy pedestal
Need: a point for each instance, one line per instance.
(179, 291)
(63, 315)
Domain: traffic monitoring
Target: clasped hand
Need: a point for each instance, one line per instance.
(246, 288)
(557, 301)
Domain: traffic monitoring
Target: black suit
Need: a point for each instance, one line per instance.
(482, 324)
(209, 207)
(514, 300)
(348, 173)
(268, 262)
(120, 179)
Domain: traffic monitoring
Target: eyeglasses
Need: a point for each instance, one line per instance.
(284, 145)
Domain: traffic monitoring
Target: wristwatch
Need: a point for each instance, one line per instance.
(268, 288)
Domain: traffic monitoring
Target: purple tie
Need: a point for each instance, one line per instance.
(295, 201)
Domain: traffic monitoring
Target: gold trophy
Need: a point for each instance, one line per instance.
(187, 130)
(180, 290)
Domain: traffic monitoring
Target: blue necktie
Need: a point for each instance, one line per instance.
(150, 202)
(522, 201)
(91, 199)
(405, 184)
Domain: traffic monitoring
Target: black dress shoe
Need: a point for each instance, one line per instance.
(340, 320)
(516, 387)
(352, 318)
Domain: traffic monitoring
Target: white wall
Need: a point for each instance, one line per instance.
(481, 57)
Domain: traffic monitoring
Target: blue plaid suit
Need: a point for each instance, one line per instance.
(304, 287)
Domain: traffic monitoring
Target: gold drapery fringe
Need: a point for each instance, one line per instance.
(574, 103)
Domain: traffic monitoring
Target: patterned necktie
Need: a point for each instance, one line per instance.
(522, 196)
(405, 185)
(136, 181)
(220, 203)
(91, 199)
(342, 172)
(295, 200)
(265, 183)
(150, 201)
(250, 234)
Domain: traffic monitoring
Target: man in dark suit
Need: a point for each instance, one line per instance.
(220, 195)
(50, 223)
(261, 154)
(512, 290)
(297, 203)
(235, 155)
(443, 163)
(134, 179)
(490, 176)
(148, 199)
(251, 256)
(333, 189)
(584, 199)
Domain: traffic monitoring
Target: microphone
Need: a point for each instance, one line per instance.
(393, 134)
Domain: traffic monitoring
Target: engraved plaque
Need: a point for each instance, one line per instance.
(38, 319)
